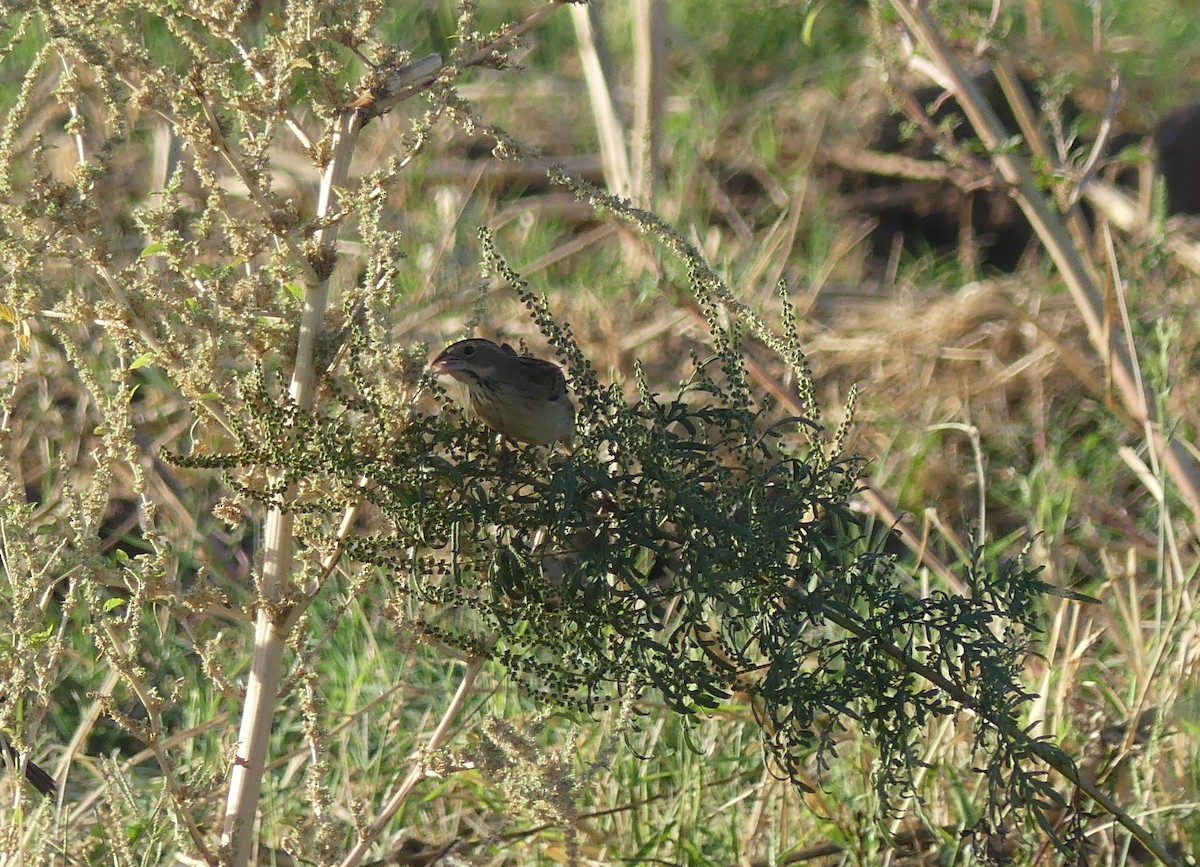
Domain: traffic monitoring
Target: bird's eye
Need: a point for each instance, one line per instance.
(468, 350)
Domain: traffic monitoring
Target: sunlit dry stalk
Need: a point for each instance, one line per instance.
(1078, 277)
(611, 132)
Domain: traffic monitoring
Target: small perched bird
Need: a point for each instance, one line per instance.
(520, 397)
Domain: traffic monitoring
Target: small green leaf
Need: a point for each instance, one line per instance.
(1064, 593)
(295, 290)
(43, 636)
(810, 20)
(153, 249)
(141, 361)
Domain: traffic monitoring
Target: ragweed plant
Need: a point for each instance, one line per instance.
(696, 546)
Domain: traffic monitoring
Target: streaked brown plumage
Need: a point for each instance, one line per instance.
(520, 397)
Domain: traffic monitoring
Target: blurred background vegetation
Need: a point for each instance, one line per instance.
(985, 419)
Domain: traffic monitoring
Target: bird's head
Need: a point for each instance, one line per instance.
(471, 358)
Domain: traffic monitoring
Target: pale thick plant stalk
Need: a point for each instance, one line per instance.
(278, 610)
(630, 166)
(613, 150)
(649, 84)
(271, 627)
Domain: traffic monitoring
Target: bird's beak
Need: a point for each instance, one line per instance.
(443, 364)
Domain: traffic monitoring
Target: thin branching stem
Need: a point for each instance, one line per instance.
(1044, 750)
(418, 770)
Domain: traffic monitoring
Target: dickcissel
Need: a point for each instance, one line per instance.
(520, 397)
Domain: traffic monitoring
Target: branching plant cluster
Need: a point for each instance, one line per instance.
(695, 547)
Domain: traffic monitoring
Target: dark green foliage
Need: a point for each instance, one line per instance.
(695, 545)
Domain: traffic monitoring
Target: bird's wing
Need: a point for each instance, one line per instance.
(546, 377)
